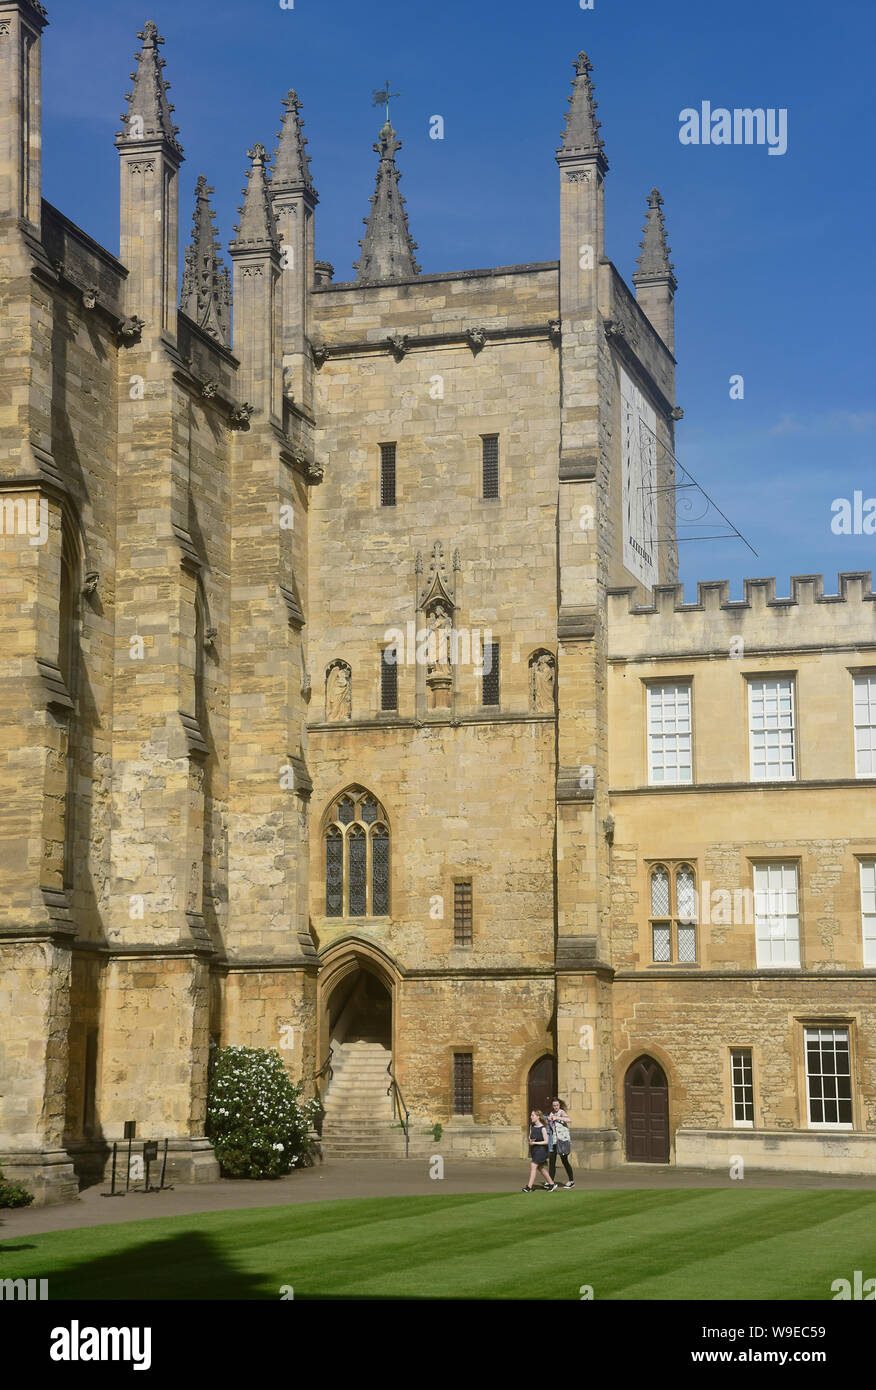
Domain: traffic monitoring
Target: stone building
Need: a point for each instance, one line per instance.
(351, 706)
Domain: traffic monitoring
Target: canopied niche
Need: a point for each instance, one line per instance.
(438, 608)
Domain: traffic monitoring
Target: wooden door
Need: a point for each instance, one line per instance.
(542, 1085)
(646, 1102)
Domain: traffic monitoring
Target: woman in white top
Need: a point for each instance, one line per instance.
(561, 1141)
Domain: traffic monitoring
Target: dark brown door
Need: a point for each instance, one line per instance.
(646, 1100)
(542, 1085)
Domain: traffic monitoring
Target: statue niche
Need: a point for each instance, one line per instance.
(338, 692)
(439, 673)
(542, 682)
(437, 603)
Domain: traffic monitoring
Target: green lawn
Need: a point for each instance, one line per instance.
(689, 1244)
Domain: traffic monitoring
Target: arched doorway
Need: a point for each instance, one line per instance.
(541, 1085)
(360, 1010)
(357, 1098)
(646, 1105)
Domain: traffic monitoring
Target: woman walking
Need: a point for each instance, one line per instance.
(560, 1141)
(538, 1151)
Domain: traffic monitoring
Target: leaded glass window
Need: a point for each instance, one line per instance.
(685, 895)
(357, 849)
(659, 893)
(356, 856)
(380, 870)
(334, 872)
(673, 895)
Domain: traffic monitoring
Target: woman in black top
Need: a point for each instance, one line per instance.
(538, 1151)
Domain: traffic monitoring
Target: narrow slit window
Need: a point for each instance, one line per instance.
(387, 475)
(388, 679)
(490, 694)
(463, 1084)
(462, 916)
(490, 462)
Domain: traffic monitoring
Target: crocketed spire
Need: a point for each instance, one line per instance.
(387, 248)
(581, 135)
(148, 115)
(291, 163)
(257, 228)
(206, 286)
(653, 263)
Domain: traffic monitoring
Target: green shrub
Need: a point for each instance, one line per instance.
(437, 1131)
(14, 1194)
(257, 1124)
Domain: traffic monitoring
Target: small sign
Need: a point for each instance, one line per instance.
(150, 1151)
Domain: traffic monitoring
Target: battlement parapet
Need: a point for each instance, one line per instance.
(807, 618)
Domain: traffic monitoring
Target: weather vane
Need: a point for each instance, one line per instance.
(383, 98)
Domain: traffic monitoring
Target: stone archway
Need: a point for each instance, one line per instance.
(357, 1010)
(357, 993)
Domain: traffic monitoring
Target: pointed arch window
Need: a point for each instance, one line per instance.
(674, 913)
(356, 856)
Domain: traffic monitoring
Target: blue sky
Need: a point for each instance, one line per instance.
(774, 254)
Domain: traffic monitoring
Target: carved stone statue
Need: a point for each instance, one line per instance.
(440, 628)
(338, 694)
(543, 682)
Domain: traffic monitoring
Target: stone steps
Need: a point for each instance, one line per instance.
(358, 1112)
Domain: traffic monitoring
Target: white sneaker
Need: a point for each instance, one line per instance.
(569, 1184)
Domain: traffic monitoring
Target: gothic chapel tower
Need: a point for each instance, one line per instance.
(238, 808)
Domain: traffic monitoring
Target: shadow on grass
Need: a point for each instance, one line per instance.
(185, 1266)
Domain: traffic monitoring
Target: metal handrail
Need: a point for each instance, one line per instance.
(326, 1066)
(398, 1103)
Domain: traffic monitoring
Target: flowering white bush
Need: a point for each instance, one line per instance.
(255, 1119)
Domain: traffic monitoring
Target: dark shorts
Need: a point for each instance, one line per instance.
(538, 1153)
